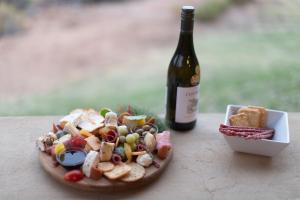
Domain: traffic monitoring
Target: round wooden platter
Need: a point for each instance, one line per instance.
(104, 184)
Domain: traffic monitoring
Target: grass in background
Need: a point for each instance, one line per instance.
(249, 68)
(212, 9)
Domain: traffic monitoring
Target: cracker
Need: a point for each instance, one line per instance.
(106, 166)
(240, 119)
(253, 116)
(118, 171)
(136, 173)
(263, 115)
(93, 142)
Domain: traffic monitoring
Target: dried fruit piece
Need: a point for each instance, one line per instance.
(73, 176)
(117, 141)
(138, 153)
(128, 152)
(133, 146)
(85, 133)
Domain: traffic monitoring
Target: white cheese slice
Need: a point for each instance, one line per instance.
(90, 160)
(91, 120)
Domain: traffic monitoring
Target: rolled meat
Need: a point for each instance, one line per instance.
(163, 144)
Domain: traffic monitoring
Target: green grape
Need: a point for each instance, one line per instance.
(136, 135)
(130, 138)
(122, 130)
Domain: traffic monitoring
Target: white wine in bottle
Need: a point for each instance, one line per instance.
(183, 78)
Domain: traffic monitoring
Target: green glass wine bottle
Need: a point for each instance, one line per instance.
(183, 78)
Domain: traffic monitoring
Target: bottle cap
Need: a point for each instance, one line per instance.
(187, 12)
(187, 18)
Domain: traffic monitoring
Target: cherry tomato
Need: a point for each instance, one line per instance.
(74, 175)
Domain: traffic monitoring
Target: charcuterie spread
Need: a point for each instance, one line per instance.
(249, 123)
(117, 146)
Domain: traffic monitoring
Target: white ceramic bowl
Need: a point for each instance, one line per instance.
(277, 120)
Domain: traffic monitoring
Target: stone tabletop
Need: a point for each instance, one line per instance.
(203, 166)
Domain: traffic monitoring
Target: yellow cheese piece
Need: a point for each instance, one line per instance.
(59, 148)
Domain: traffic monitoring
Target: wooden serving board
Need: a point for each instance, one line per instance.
(104, 184)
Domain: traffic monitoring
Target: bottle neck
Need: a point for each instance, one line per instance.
(187, 25)
(185, 43)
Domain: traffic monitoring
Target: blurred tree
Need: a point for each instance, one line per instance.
(11, 19)
(210, 10)
(19, 4)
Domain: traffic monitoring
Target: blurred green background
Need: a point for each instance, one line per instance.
(248, 53)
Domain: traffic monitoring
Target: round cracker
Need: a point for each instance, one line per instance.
(105, 166)
(136, 173)
(118, 171)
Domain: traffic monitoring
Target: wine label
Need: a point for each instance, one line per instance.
(186, 104)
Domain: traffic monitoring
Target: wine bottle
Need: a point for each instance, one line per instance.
(183, 78)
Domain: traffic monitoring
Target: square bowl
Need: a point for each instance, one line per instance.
(278, 120)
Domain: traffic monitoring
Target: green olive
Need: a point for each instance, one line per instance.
(152, 130)
(122, 139)
(146, 127)
(139, 131)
